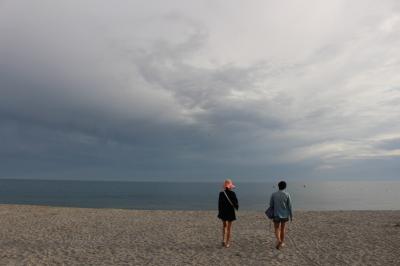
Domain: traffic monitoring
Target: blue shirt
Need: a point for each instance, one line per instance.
(282, 204)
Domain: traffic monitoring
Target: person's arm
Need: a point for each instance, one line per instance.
(289, 204)
(220, 202)
(271, 202)
(235, 201)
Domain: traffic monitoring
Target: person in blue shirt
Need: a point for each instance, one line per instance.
(281, 203)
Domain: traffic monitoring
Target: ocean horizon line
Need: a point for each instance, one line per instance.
(238, 181)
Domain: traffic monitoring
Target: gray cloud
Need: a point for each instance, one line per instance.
(199, 91)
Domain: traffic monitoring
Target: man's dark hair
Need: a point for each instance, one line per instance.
(282, 185)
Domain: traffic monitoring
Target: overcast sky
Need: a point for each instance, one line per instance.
(200, 90)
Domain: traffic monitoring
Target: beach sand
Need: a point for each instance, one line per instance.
(37, 235)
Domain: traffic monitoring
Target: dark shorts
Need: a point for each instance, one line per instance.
(280, 220)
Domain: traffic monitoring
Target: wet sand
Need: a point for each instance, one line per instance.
(38, 235)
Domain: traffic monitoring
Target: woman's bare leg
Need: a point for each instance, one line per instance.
(224, 223)
(228, 233)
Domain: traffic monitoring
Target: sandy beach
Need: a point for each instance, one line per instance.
(38, 235)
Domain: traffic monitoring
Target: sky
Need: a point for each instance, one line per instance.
(200, 90)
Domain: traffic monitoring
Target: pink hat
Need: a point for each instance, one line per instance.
(228, 184)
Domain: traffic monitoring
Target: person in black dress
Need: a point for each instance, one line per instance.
(227, 203)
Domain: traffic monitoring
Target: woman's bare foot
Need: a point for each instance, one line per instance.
(227, 245)
(279, 245)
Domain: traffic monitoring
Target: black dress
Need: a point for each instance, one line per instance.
(226, 211)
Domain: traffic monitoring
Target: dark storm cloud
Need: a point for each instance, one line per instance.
(157, 91)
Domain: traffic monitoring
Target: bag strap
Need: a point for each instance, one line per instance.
(229, 200)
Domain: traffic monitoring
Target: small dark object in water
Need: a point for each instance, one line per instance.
(304, 186)
(397, 225)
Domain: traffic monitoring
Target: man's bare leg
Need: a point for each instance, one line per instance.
(277, 234)
(282, 233)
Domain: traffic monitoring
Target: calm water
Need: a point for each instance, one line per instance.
(335, 195)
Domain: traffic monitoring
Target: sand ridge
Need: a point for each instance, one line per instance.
(40, 235)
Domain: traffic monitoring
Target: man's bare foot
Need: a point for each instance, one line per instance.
(227, 245)
(279, 245)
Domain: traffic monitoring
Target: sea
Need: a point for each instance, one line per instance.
(306, 195)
